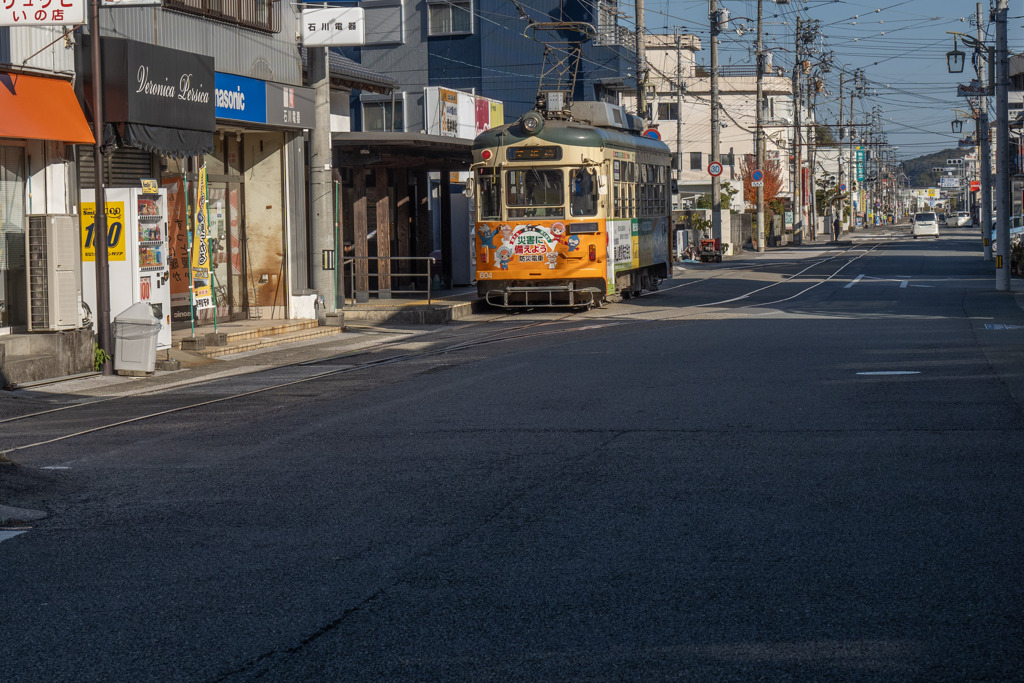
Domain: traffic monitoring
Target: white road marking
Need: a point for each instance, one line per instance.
(890, 372)
(853, 281)
(5, 534)
(999, 326)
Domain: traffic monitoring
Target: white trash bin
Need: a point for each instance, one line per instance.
(135, 332)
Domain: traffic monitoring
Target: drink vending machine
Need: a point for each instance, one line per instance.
(136, 253)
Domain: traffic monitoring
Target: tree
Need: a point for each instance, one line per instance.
(827, 194)
(772, 179)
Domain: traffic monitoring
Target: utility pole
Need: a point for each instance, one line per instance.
(842, 134)
(759, 127)
(984, 149)
(1002, 152)
(797, 174)
(852, 179)
(679, 111)
(325, 274)
(641, 64)
(99, 206)
(812, 143)
(716, 185)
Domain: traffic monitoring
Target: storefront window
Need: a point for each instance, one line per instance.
(13, 301)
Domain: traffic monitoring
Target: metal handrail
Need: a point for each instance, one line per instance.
(350, 260)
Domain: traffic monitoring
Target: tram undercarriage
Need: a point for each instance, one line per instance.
(583, 293)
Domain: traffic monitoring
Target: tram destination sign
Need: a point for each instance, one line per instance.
(543, 153)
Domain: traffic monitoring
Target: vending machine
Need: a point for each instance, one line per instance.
(136, 252)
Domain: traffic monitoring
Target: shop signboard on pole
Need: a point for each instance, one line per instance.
(202, 294)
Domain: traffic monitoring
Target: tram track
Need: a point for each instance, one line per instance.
(277, 378)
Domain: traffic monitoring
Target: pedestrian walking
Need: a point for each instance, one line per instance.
(836, 227)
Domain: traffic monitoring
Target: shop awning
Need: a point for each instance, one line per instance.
(38, 108)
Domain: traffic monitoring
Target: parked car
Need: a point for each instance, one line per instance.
(925, 223)
(959, 219)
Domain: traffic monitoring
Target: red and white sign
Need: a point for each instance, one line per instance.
(42, 12)
(975, 185)
(715, 168)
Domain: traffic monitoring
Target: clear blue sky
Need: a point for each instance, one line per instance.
(901, 47)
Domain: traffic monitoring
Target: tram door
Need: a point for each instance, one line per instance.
(226, 223)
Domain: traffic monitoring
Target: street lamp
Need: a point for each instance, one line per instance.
(957, 125)
(955, 59)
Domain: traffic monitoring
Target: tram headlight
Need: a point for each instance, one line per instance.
(533, 122)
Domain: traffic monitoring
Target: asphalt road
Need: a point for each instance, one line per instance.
(792, 466)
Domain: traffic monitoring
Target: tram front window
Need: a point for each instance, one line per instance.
(583, 193)
(535, 192)
(489, 189)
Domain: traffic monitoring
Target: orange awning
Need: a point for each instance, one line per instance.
(40, 108)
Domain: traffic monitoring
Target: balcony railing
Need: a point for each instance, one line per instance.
(259, 15)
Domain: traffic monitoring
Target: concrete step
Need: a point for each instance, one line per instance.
(20, 369)
(250, 342)
(410, 314)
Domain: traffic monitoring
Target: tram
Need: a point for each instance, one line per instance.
(570, 211)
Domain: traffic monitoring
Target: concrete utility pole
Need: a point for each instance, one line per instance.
(839, 160)
(984, 149)
(679, 112)
(324, 246)
(641, 64)
(716, 184)
(99, 231)
(1002, 152)
(796, 178)
(759, 126)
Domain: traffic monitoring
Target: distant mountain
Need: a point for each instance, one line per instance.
(919, 170)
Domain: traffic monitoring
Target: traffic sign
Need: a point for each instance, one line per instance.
(975, 186)
(715, 168)
(757, 176)
(757, 183)
(842, 187)
(652, 133)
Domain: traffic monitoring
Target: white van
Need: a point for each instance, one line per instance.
(925, 223)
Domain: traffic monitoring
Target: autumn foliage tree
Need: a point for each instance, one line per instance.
(772, 179)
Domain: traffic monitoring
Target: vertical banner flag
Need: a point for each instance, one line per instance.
(202, 292)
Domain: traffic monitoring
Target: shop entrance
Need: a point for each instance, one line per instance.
(226, 230)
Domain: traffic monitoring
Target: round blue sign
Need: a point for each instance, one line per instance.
(842, 188)
(756, 175)
(652, 133)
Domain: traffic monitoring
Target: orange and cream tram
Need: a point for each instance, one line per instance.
(570, 211)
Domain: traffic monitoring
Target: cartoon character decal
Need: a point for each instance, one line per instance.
(552, 259)
(502, 256)
(558, 231)
(573, 242)
(487, 236)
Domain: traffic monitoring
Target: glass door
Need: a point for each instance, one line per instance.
(228, 252)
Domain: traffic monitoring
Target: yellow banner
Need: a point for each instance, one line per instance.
(201, 233)
(115, 231)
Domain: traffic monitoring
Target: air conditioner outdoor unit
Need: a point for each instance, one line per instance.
(54, 273)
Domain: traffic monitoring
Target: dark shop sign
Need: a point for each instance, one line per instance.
(158, 86)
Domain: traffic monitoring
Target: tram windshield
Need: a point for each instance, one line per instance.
(535, 192)
(582, 192)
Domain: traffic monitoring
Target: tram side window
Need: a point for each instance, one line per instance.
(535, 192)
(583, 193)
(490, 197)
